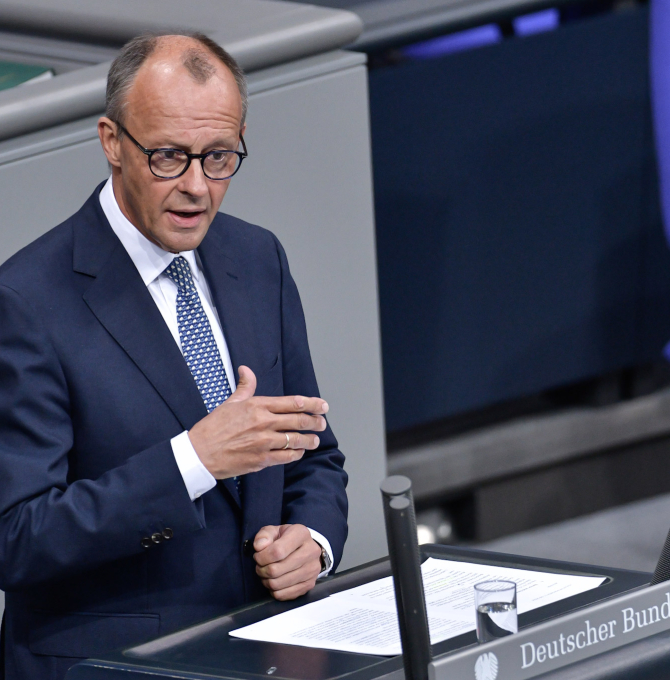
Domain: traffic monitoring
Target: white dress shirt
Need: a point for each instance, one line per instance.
(151, 262)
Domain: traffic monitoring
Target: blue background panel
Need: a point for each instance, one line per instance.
(519, 236)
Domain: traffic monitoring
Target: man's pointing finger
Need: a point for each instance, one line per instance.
(297, 404)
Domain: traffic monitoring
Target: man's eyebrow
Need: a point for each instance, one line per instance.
(229, 145)
(225, 144)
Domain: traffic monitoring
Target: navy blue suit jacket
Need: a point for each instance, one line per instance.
(92, 389)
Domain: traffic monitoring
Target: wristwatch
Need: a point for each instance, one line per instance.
(326, 562)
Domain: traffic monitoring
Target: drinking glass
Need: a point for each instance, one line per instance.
(495, 604)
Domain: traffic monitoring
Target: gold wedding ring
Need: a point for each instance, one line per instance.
(288, 441)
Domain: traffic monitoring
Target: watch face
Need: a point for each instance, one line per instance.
(325, 560)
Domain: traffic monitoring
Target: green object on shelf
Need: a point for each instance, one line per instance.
(12, 74)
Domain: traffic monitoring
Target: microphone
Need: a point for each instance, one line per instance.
(410, 600)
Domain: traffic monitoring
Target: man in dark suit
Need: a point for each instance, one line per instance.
(141, 489)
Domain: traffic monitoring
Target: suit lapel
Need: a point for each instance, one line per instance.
(124, 306)
(228, 289)
(230, 298)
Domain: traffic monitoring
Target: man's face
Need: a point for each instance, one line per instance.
(166, 107)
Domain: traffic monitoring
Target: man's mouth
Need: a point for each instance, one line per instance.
(187, 213)
(186, 217)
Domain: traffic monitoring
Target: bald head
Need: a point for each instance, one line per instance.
(181, 81)
(200, 63)
(195, 52)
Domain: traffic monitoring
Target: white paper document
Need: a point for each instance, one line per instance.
(364, 619)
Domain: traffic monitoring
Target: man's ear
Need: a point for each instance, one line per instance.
(108, 132)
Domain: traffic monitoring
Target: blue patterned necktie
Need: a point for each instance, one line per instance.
(197, 340)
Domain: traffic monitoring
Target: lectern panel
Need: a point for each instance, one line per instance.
(207, 651)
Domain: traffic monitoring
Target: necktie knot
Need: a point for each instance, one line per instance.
(180, 273)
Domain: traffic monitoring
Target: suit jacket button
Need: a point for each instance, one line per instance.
(168, 533)
(146, 542)
(248, 548)
(156, 538)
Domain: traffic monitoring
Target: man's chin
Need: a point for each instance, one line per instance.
(178, 239)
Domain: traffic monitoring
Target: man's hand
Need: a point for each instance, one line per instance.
(288, 560)
(247, 433)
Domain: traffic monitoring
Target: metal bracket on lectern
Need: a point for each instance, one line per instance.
(407, 582)
(662, 572)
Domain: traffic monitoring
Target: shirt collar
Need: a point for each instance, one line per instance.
(149, 259)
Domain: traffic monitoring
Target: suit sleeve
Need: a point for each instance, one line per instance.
(50, 526)
(315, 486)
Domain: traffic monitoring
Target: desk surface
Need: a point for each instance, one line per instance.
(207, 651)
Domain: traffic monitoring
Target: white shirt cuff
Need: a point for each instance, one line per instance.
(323, 542)
(197, 478)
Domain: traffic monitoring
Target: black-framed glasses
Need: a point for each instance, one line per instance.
(171, 163)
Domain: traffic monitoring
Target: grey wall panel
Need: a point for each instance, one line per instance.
(38, 192)
(308, 179)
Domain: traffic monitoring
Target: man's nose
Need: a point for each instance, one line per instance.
(193, 181)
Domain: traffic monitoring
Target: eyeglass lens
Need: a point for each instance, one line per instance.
(216, 165)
